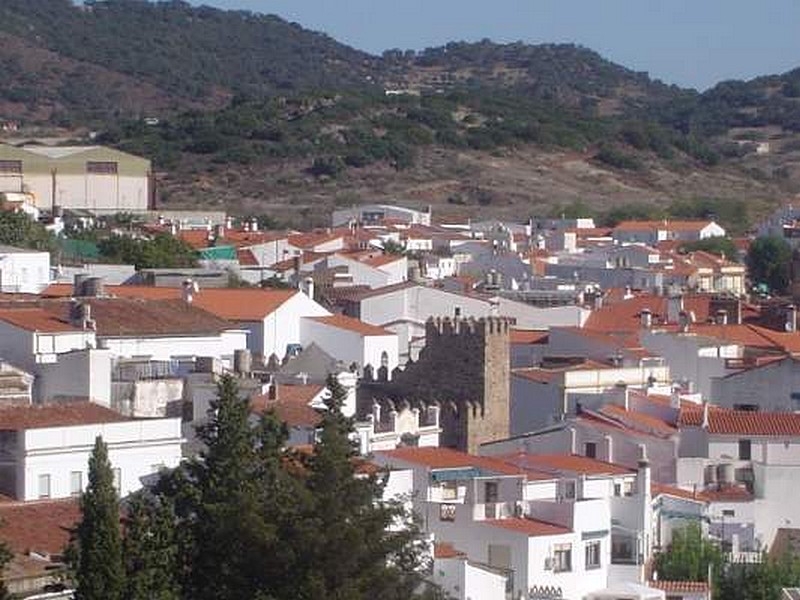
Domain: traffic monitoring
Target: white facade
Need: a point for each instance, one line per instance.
(52, 462)
(350, 345)
(375, 213)
(282, 327)
(23, 271)
(771, 387)
(363, 273)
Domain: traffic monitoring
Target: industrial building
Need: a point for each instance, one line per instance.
(92, 178)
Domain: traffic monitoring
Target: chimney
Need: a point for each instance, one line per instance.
(791, 319)
(674, 308)
(272, 394)
(228, 223)
(675, 398)
(573, 442)
(704, 424)
(644, 494)
(78, 284)
(646, 318)
(161, 220)
(608, 448)
(308, 287)
(253, 224)
(722, 317)
(622, 396)
(188, 289)
(683, 322)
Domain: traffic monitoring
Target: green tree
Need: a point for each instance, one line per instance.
(226, 520)
(99, 572)
(689, 556)
(150, 549)
(5, 557)
(769, 262)
(719, 245)
(762, 580)
(347, 512)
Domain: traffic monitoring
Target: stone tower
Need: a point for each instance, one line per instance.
(465, 370)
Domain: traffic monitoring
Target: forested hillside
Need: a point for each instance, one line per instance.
(254, 113)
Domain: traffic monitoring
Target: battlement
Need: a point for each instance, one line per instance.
(483, 327)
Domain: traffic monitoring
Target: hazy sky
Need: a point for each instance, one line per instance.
(688, 42)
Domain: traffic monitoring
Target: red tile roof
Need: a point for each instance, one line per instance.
(724, 421)
(234, 304)
(291, 405)
(447, 458)
(571, 463)
(61, 414)
(658, 489)
(310, 240)
(351, 324)
(445, 550)
(529, 527)
(40, 526)
(665, 224)
(638, 420)
(681, 587)
(36, 319)
(527, 336)
(546, 375)
(727, 494)
(246, 258)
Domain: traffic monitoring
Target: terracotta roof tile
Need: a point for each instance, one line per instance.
(570, 463)
(529, 527)
(527, 336)
(727, 494)
(291, 404)
(351, 324)
(724, 421)
(246, 257)
(234, 304)
(681, 587)
(61, 414)
(638, 420)
(445, 550)
(447, 458)
(41, 526)
(36, 319)
(658, 489)
(665, 225)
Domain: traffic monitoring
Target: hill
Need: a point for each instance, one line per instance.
(258, 114)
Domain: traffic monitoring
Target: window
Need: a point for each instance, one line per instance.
(11, 167)
(118, 480)
(44, 486)
(101, 167)
(75, 483)
(745, 450)
(590, 449)
(562, 558)
(618, 489)
(622, 550)
(593, 554)
(569, 490)
(491, 491)
(627, 488)
(447, 512)
(728, 513)
(449, 490)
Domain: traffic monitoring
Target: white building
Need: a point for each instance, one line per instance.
(353, 342)
(773, 385)
(23, 271)
(652, 232)
(546, 394)
(746, 464)
(45, 449)
(369, 214)
(91, 178)
(566, 525)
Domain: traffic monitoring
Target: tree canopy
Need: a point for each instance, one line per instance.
(769, 262)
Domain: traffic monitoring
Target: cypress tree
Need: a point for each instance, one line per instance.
(355, 549)
(5, 557)
(150, 550)
(99, 571)
(228, 527)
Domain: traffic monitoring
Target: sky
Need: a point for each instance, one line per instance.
(692, 43)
